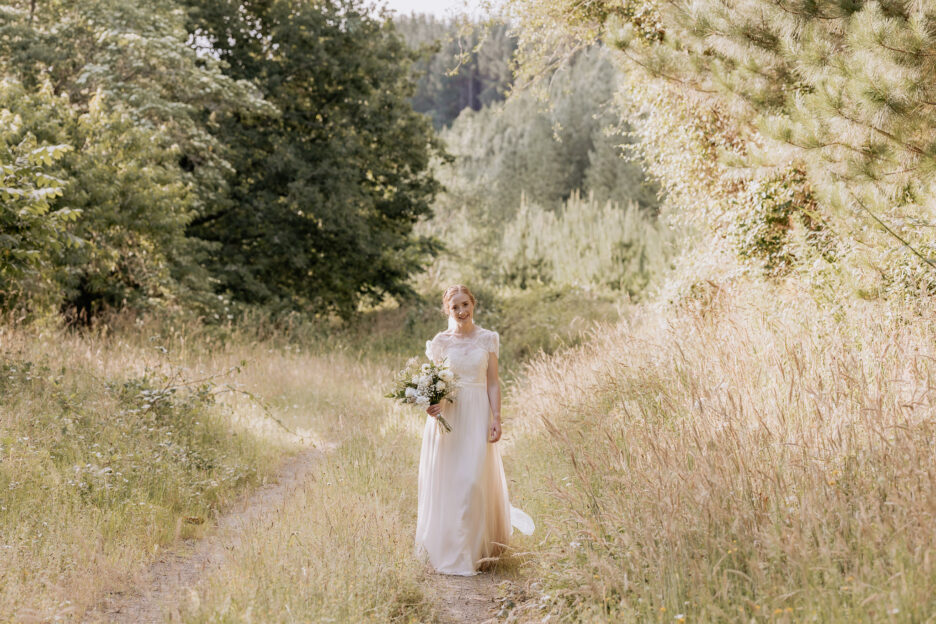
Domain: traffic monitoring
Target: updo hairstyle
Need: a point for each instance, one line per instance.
(451, 291)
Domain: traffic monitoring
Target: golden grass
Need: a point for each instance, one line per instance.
(745, 454)
(110, 439)
(111, 447)
(748, 455)
(341, 549)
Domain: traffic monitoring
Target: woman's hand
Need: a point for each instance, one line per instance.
(494, 433)
(434, 410)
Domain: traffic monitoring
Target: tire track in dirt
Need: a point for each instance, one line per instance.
(466, 599)
(160, 592)
(164, 587)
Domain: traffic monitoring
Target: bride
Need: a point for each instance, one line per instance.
(464, 517)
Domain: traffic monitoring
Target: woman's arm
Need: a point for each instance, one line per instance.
(494, 397)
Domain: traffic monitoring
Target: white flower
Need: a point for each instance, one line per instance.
(426, 368)
(410, 393)
(446, 375)
(424, 381)
(440, 385)
(415, 379)
(422, 400)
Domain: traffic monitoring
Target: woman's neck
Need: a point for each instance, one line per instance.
(463, 329)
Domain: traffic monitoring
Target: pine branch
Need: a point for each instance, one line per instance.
(857, 150)
(783, 8)
(892, 232)
(907, 52)
(658, 74)
(882, 132)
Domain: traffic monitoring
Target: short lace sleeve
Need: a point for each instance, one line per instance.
(434, 349)
(493, 342)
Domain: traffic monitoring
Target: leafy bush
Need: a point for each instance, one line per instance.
(32, 232)
(774, 208)
(584, 243)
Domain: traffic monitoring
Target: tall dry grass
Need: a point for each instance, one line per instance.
(341, 548)
(112, 446)
(744, 455)
(117, 441)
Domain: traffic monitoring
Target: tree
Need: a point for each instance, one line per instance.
(327, 189)
(119, 83)
(461, 64)
(32, 231)
(545, 149)
(262, 151)
(759, 88)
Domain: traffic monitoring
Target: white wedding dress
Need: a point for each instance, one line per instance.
(464, 514)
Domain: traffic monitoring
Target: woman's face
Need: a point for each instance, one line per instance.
(461, 308)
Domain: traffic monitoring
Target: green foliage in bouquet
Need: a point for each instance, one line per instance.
(424, 385)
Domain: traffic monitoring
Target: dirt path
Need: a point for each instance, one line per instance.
(164, 587)
(160, 592)
(467, 599)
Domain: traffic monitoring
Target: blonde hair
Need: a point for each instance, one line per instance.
(451, 291)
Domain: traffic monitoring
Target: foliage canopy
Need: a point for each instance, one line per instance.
(255, 152)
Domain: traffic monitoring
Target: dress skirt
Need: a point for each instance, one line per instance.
(464, 513)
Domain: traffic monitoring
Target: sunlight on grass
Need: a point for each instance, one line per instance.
(341, 549)
(110, 450)
(748, 454)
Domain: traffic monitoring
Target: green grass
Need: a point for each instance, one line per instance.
(100, 468)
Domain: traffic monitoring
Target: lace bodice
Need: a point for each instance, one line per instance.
(467, 355)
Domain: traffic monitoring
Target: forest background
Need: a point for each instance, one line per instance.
(705, 228)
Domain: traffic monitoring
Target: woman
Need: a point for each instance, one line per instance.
(464, 517)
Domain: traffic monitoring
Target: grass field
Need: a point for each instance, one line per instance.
(110, 449)
(115, 443)
(741, 454)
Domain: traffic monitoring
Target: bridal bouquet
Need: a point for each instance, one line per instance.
(425, 385)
